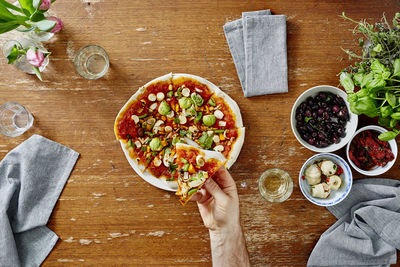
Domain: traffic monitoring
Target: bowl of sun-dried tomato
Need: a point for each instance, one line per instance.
(368, 155)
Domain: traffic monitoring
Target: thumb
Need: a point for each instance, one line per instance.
(213, 188)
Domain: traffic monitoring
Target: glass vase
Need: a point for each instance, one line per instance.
(22, 63)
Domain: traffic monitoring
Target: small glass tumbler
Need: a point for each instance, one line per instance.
(14, 119)
(275, 185)
(91, 62)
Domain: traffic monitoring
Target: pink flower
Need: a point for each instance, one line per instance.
(59, 24)
(45, 5)
(35, 57)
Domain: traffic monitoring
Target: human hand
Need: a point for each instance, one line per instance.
(218, 204)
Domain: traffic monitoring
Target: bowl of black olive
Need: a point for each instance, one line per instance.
(321, 119)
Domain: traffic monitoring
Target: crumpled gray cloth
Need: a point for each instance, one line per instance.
(367, 232)
(32, 177)
(257, 43)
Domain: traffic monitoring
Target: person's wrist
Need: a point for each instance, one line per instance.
(227, 233)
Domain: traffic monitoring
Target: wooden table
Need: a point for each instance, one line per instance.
(106, 214)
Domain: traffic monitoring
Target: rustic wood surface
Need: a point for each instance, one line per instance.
(107, 215)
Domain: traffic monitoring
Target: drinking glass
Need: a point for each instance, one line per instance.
(14, 119)
(91, 62)
(275, 185)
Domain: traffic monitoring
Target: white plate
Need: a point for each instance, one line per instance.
(161, 182)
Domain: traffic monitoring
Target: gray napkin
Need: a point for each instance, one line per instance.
(258, 46)
(32, 177)
(368, 230)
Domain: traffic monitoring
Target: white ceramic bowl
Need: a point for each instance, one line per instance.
(376, 170)
(351, 125)
(336, 196)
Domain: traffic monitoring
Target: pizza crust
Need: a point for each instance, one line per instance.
(237, 147)
(161, 182)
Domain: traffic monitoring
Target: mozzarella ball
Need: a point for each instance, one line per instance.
(328, 167)
(320, 190)
(313, 174)
(334, 182)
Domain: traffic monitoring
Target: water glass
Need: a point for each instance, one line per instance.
(14, 119)
(275, 185)
(91, 62)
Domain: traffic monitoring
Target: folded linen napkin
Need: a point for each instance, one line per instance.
(367, 232)
(258, 46)
(32, 177)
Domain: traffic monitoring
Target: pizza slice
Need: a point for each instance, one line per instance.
(195, 166)
(226, 141)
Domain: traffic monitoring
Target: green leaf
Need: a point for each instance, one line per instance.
(375, 84)
(377, 48)
(27, 29)
(387, 136)
(384, 121)
(357, 78)
(365, 105)
(386, 111)
(10, 6)
(391, 98)
(37, 72)
(362, 93)
(27, 5)
(393, 123)
(15, 52)
(396, 66)
(347, 82)
(395, 116)
(8, 26)
(45, 25)
(5, 14)
(352, 97)
(367, 79)
(378, 67)
(37, 16)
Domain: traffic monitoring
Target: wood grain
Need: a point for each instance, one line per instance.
(106, 214)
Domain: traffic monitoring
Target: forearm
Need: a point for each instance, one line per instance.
(228, 248)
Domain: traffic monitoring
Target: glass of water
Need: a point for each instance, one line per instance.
(275, 185)
(91, 62)
(14, 119)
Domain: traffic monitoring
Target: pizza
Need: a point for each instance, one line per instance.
(195, 167)
(175, 109)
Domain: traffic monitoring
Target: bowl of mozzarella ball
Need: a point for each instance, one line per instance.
(325, 179)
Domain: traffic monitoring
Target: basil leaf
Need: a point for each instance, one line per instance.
(393, 123)
(387, 136)
(365, 104)
(376, 83)
(347, 82)
(391, 98)
(378, 67)
(395, 116)
(386, 111)
(357, 78)
(367, 79)
(396, 66)
(384, 121)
